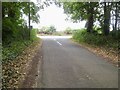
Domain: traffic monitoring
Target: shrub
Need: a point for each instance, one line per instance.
(79, 35)
(33, 33)
(13, 50)
(68, 30)
(110, 41)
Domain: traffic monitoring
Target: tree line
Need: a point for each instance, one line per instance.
(14, 20)
(14, 26)
(106, 13)
(47, 30)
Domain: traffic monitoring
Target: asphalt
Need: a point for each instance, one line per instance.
(67, 65)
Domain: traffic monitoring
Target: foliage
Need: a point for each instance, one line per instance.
(11, 66)
(16, 37)
(33, 35)
(15, 68)
(91, 12)
(58, 33)
(13, 50)
(48, 30)
(78, 35)
(51, 29)
(82, 36)
(13, 25)
(68, 30)
(15, 33)
(82, 11)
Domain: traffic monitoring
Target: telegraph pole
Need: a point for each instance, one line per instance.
(29, 18)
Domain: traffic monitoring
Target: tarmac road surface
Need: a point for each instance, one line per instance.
(67, 65)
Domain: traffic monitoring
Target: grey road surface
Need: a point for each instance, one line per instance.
(67, 65)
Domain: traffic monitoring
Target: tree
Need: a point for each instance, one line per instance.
(82, 11)
(107, 9)
(13, 24)
(107, 16)
(52, 29)
(48, 30)
(90, 11)
(68, 30)
(115, 15)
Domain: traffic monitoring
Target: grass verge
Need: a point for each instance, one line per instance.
(14, 68)
(106, 46)
(16, 56)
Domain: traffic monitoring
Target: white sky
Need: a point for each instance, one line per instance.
(53, 15)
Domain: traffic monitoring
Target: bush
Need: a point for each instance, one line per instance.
(68, 31)
(82, 36)
(47, 30)
(13, 50)
(33, 33)
(7, 27)
(78, 35)
(13, 31)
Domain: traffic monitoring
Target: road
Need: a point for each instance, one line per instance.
(67, 65)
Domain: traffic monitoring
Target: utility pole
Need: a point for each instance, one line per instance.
(29, 18)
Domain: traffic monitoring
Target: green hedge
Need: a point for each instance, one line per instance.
(82, 36)
(13, 49)
(33, 34)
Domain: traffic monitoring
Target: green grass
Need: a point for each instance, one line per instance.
(110, 41)
(33, 35)
(11, 65)
(16, 47)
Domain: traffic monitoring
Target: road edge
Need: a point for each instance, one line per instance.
(94, 51)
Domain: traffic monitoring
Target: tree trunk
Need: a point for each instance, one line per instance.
(106, 28)
(90, 12)
(116, 15)
(3, 11)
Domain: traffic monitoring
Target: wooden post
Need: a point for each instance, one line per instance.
(29, 20)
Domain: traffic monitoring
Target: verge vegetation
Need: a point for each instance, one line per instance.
(17, 39)
(103, 45)
(106, 33)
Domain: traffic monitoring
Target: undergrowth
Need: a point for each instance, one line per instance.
(13, 49)
(15, 55)
(109, 42)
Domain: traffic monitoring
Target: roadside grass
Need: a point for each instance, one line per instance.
(110, 42)
(14, 57)
(12, 50)
(106, 45)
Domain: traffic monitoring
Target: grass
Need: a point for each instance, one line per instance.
(106, 46)
(14, 58)
(14, 70)
(15, 48)
(109, 42)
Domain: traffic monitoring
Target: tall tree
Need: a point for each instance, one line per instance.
(81, 11)
(12, 22)
(116, 15)
(90, 12)
(107, 10)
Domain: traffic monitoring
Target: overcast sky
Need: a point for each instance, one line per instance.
(54, 15)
